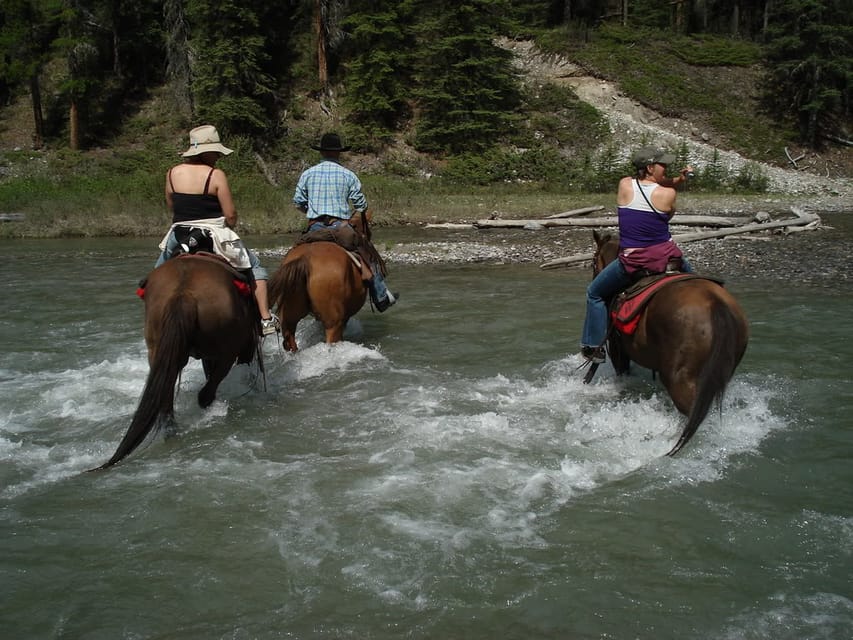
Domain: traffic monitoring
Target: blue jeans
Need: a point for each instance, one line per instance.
(172, 246)
(609, 281)
(378, 288)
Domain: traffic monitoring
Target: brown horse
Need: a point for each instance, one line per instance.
(322, 279)
(195, 306)
(692, 332)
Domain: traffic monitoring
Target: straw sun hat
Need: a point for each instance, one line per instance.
(204, 139)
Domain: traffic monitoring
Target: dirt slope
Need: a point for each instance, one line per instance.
(631, 121)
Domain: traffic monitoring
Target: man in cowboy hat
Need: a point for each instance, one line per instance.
(329, 194)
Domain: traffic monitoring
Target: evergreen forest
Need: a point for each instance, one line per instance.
(431, 72)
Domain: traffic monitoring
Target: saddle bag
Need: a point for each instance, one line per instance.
(193, 239)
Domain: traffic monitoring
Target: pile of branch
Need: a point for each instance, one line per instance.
(568, 219)
(803, 221)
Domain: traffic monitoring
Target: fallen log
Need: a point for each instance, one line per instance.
(575, 212)
(449, 225)
(609, 221)
(802, 220)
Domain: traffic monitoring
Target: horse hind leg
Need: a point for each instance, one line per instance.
(288, 336)
(335, 333)
(215, 372)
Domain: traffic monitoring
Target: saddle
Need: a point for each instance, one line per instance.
(626, 307)
(357, 244)
(244, 281)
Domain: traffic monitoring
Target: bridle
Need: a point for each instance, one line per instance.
(596, 261)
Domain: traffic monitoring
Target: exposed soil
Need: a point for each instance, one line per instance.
(828, 173)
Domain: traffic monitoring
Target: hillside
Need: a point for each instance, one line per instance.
(827, 173)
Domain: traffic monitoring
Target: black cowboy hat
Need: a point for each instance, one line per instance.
(330, 142)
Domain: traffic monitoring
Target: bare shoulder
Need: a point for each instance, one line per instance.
(664, 198)
(626, 190)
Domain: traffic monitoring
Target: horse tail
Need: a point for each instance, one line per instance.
(156, 406)
(289, 281)
(726, 352)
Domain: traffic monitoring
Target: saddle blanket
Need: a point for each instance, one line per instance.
(627, 306)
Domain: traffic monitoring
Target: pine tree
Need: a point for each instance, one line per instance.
(231, 88)
(27, 28)
(379, 70)
(810, 66)
(466, 85)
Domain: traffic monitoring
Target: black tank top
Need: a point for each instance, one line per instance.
(194, 206)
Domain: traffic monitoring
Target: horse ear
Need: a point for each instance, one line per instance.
(368, 215)
(597, 237)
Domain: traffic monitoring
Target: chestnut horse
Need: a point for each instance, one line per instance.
(195, 306)
(692, 332)
(320, 278)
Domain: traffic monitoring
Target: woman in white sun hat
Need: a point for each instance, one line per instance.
(198, 195)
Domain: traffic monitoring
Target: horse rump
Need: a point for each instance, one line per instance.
(156, 405)
(727, 349)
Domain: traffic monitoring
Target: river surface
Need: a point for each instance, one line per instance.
(443, 473)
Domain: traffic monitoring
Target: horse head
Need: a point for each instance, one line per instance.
(606, 250)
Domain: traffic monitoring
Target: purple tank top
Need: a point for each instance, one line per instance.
(640, 225)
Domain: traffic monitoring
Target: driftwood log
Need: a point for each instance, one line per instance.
(803, 220)
(609, 221)
(449, 225)
(576, 212)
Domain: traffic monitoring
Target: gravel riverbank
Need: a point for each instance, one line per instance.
(819, 256)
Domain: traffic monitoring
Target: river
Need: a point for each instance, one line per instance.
(443, 473)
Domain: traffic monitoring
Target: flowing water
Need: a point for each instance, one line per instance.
(441, 474)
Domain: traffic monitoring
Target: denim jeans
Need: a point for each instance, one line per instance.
(609, 281)
(378, 288)
(259, 272)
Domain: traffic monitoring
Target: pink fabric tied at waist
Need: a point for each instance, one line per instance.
(653, 258)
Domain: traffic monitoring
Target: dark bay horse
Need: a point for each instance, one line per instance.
(322, 279)
(195, 306)
(693, 333)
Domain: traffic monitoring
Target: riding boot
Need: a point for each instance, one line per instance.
(379, 294)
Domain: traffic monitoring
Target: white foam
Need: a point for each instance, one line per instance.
(320, 358)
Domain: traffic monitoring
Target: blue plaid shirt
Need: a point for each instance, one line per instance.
(327, 189)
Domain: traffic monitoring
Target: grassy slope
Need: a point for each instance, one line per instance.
(118, 191)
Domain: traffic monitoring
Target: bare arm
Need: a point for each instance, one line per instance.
(220, 187)
(681, 178)
(169, 203)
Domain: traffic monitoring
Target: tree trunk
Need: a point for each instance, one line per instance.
(38, 117)
(74, 126)
(320, 30)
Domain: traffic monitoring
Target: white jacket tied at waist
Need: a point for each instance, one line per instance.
(226, 242)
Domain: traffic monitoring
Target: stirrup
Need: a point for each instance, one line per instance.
(387, 301)
(270, 325)
(595, 355)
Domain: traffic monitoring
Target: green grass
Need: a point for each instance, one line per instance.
(684, 76)
(558, 157)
